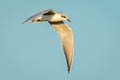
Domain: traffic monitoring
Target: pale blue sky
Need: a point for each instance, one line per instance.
(33, 51)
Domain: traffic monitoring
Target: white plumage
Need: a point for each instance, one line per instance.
(64, 31)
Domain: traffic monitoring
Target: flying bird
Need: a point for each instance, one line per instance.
(55, 19)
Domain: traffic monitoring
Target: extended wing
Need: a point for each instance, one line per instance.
(66, 36)
(48, 11)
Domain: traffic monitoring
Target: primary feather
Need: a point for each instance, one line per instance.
(66, 37)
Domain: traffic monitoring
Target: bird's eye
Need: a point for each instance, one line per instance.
(63, 16)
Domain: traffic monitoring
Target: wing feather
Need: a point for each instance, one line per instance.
(38, 14)
(66, 37)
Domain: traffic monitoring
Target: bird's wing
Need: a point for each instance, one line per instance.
(66, 36)
(40, 13)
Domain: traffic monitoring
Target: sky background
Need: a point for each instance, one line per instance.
(33, 51)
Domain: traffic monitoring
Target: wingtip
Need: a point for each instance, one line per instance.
(22, 22)
(68, 71)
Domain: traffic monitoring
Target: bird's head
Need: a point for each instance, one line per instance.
(64, 17)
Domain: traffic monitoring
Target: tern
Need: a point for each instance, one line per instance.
(55, 19)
